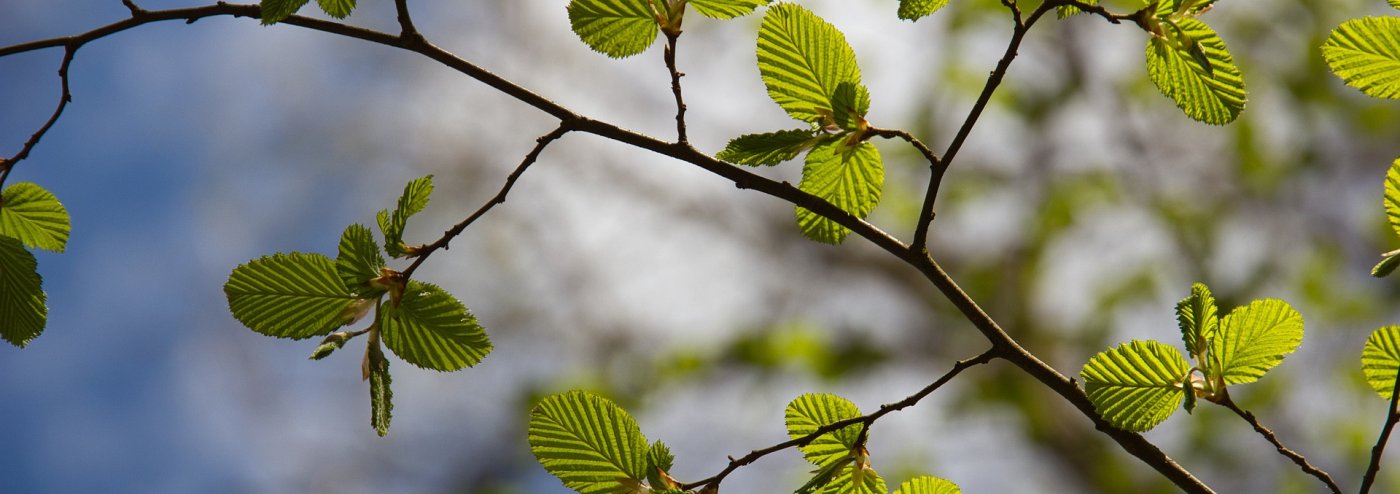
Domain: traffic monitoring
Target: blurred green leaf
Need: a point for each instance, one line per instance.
(912, 10)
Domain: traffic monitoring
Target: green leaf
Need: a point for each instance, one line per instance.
(274, 11)
(1380, 360)
(34, 216)
(810, 412)
(1389, 261)
(23, 312)
(802, 59)
(726, 9)
(588, 442)
(1255, 338)
(911, 10)
(659, 462)
(338, 9)
(1136, 385)
(289, 296)
(1189, 389)
(925, 484)
(359, 260)
(1198, 319)
(616, 28)
(1392, 196)
(855, 479)
(1064, 11)
(849, 105)
(770, 148)
(851, 180)
(1365, 53)
(431, 329)
(1215, 96)
(414, 199)
(381, 397)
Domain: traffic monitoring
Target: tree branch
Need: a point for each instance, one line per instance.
(866, 421)
(1391, 417)
(407, 30)
(1273, 439)
(676, 75)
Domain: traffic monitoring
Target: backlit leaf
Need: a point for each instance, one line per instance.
(275, 10)
(433, 330)
(338, 9)
(1136, 385)
(1365, 53)
(925, 484)
(414, 199)
(359, 260)
(851, 180)
(289, 295)
(1255, 338)
(810, 412)
(34, 216)
(1215, 96)
(589, 443)
(1380, 360)
(802, 59)
(23, 312)
(726, 9)
(769, 148)
(1198, 319)
(911, 10)
(1392, 196)
(616, 28)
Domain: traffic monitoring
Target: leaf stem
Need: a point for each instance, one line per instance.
(1392, 416)
(1269, 435)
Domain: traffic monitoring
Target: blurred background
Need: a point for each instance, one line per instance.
(1081, 210)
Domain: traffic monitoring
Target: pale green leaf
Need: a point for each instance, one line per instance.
(381, 396)
(289, 296)
(1392, 196)
(616, 28)
(1199, 320)
(855, 479)
(1255, 338)
(849, 105)
(338, 9)
(1365, 53)
(1064, 11)
(810, 412)
(276, 10)
(1395, 3)
(911, 10)
(769, 148)
(414, 199)
(925, 484)
(1380, 360)
(23, 312)
(726, 9)
(1136, 385)
(588, 442)
(1216, 96)
(359, 260)
(34, 216)
(851, 179)
(802, 59)
(659, 462)
(431, 329)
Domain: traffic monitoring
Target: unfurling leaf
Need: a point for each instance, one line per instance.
(849, 105)
(810, 412)
(23, 312)
(1198, 319)
(1380, 360)
(1255, 338)
(431, 329)
(274, 11)
(1388, 263)
(588, 442)
(769, 148)
(31, 214)
(726, 9)
(359, 260)
(1136, 385)
(912, 10)
(616, 28)
(1365, 53)
(802, 59)
(414, 199)
(329, 345)
(1212, 92)
(289, 295)
(659, 462)
(925, 484)
(850, 179)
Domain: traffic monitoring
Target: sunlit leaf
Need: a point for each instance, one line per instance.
(433, 330)
(616, 28)
(34, 216)
(1380, 360)
(850, 179)
(810, 412)
(414, 199)
(855, 479)
(802, 59)
(289, 295)
(276, 10)
(23, 312)
(1255, 338)
(911, 10)
(1136, 385)
(338, 9)
(769, 148)
(1365, 53)
(359, 260)
(726, 9)
(849, 105)
(1198, 319)
(925, 484)
(1064, 11)
(1392, 196)
(1215, 96)
(589, 443)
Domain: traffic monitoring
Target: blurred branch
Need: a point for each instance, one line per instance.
(1392, 416)
(1273, 439)
(712, 483)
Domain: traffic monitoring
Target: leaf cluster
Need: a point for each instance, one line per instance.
(30, 218)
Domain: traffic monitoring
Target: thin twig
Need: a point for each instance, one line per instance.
(406, 29)
(1392, 416)
(65, 97)
(1283, 450)
(865, 421)
(676, 75)
(500, 198)
(131, 5)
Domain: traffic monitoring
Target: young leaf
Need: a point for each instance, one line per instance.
(726, 9)
(1064, 11)
(588, 442)
(659, 462)
(23, 312)
(802, 59)
(381, 397)
(616, 28)
(1380, 359)
(1392, 196)
(431, 329)
(1365, 53)
(824, 476)
(1215, 96)
(1136, 385)
(338, 9)
(289, 296)
(358, 260)
(1255, 338)
(1389, 261)
(1198, 319)
(912, 10)
(414, 199)
(856, 479)
(768, 149)
(274, 11)
(851, 180)
(810, 412)
(849, 105)
(925, 484)
(34, 216)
